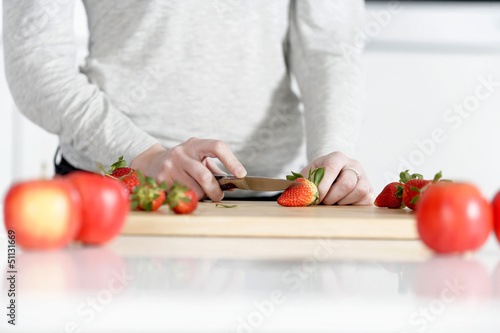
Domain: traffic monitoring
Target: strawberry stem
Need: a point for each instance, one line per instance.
(121, 163)
(437, 177)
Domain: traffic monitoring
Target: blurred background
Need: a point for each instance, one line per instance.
(432, 96)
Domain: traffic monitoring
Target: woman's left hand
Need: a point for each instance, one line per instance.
(344, 183)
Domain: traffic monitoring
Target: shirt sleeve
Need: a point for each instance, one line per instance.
(325, 46)
(47, 87)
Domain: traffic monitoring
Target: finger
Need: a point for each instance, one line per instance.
(219, 149)
(188, 181)
(345, 184)
(327, 181)
(177, 174)
(205, 179)
(213, 167)
(312, 166)
(328, 178)
(366, 201)
(362, 189)
(332, 173)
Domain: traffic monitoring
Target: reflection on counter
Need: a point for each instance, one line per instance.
(91, 269)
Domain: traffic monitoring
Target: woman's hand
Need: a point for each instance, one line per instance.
(345, 182)
(189, 164)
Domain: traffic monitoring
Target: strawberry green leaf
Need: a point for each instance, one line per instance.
(149, 206)
(141, 177)
(318, 175)
(121, 163)
(417, 176)
(416, 189)
(163, 186)
(404, 176)
(225, 206)
(134, 204)
(415, 199)
(151, 182)
(294, 176)
(399, 192)
(179, 187)
(437, 177)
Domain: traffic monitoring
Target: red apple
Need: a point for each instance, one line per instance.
(105, 206)
(44, 214)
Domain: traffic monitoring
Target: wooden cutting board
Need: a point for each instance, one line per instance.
(268, 219)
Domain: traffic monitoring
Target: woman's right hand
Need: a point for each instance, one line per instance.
(189, 163)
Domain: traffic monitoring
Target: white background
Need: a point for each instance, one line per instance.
(423, 60)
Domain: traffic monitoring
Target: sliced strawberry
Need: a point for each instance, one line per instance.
(304, 195)
(390, 196)
(122, 172)
(181, 199)
(119, 168)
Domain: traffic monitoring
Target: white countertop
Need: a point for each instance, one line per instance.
(163, 284)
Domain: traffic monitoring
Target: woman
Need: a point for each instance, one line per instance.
(161, 72)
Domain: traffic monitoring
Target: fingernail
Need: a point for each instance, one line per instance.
(240, 172)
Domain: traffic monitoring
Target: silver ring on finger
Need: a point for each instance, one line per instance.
(353, 170)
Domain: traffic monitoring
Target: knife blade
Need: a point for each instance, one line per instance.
(228, 182)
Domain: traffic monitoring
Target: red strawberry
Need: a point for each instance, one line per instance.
(159, 201)
(181, 199)
(121, 172)
(390, 196)
(412, 191)
(119, 168)
(304, 195)
(414, 187)
(147, 195)
(130, 182)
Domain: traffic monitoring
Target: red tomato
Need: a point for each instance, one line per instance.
(496, 213)
(43, 214)
(454, 217)
(105, 206)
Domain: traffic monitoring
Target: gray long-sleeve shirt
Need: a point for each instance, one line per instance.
(166, 70)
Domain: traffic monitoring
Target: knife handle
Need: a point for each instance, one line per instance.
(226, 186)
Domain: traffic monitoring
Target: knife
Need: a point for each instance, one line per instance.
(228, 182)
